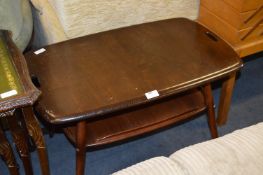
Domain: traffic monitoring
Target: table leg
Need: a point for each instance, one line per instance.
(35, 132)
(225, 99)
(7, 153)
(20, 138)
(81, 148)
(210, 110)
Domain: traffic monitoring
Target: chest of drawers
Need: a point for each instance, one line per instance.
(239, 22)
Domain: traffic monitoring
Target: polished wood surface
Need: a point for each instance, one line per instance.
(226, 12)
(225, 99)
(109, 71)
(81, 147)
(233, 35)
(95, 85)
(244, 5)
(140, 120)
(20, 139)
(36, 134)
(239, 22)
(209, 101)
(14, 76)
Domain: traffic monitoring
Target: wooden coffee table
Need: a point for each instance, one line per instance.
(95, 85)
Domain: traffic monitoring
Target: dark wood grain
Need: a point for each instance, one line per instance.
(101, 73)
(20, 139)
(209, 100)
(15, 73)
(141, 120)
(6, 153)
(225, 98)
(81, 137)
(96, 84)
(29, 92)
(36, 134)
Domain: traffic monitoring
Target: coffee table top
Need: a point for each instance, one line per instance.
(101, 73)
(16, 88)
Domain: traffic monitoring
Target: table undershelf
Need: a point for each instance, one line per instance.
(140, 120)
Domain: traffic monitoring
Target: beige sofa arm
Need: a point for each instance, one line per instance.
(154, 166)
(238, 153)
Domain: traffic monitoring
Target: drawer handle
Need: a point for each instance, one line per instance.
(254, 14)
(254, 27)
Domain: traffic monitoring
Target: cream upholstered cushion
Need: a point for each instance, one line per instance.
(239, 153)
(154, 166)
(83, 17)
(47, 27)
(58, 20)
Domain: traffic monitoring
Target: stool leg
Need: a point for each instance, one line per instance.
(20, 139)
(209, 100)
(225, 99)
(81, 148)
(7, 153)
(35, 132)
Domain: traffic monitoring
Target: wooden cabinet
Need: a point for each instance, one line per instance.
(239, 22)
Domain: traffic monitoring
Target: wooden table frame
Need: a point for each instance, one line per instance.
(171, 56)
(7, 153)
(225, 98)
(17, 110)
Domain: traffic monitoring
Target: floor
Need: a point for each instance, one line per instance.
(246, 110)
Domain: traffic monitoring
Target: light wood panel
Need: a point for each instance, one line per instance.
(244, 5)
(227, 13)
(232, 21)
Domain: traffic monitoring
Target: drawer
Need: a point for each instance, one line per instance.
(244, 5)
(249, 47)
(250, 33)
(225, 30)
(226, 12)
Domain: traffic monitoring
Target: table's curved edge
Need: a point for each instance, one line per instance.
(31, 93)
(49, 116)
